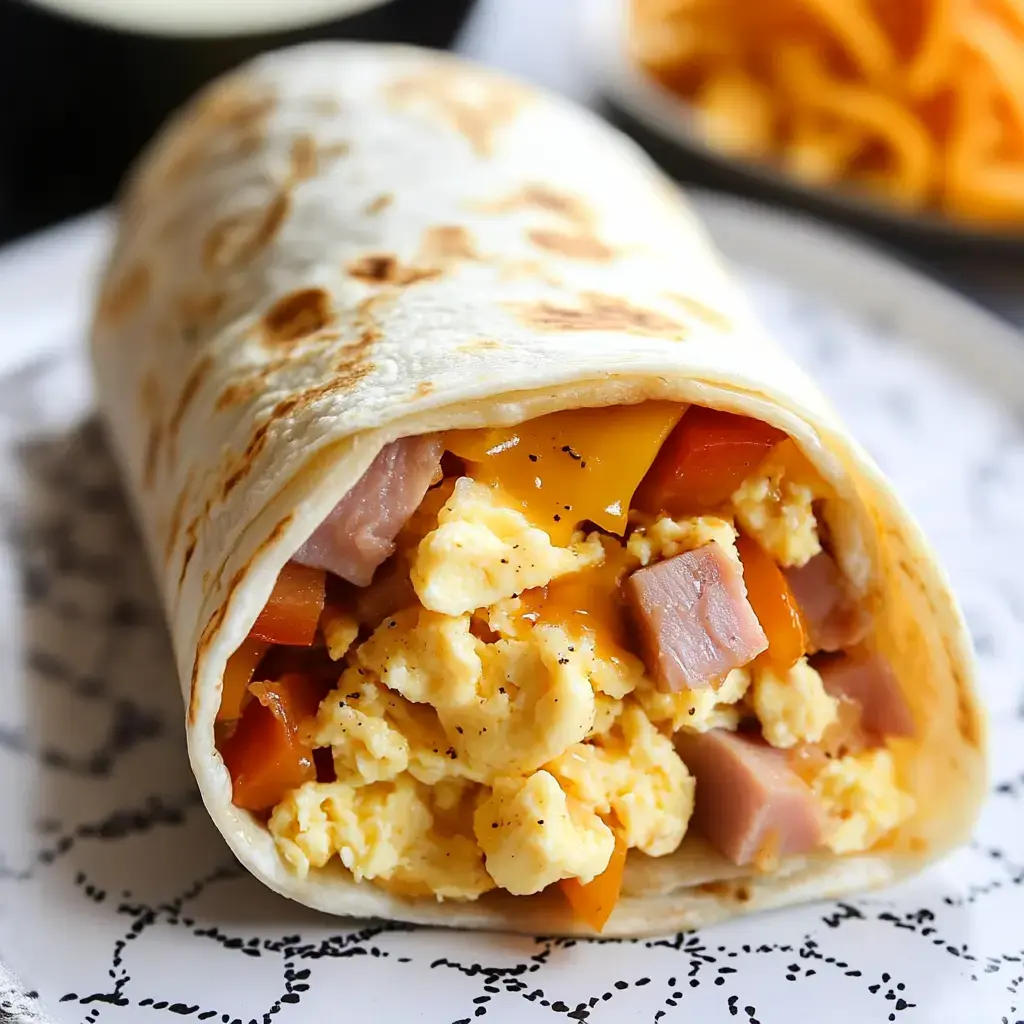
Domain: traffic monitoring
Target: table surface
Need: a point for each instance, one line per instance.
(537, 40)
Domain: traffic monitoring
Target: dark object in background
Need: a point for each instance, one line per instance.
(78, 101)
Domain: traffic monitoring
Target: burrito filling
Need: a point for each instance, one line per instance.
(509, 656)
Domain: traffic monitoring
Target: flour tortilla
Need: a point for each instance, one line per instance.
(341, 245)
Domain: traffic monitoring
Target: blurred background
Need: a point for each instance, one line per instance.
(901, 119)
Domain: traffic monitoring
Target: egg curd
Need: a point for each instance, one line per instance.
(499, 730)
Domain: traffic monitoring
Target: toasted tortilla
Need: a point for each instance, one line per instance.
(340, 245)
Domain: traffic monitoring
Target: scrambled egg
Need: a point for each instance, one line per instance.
(792, 708)
(862, 799)
(656, 539)
(475, 745)
(634, 773)
(533, 835)
(697, 710)
(383, 831)
(774, 505)
(483, 551)
(340, 630)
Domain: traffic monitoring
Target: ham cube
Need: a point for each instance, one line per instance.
(833, 616)
(693, 617)
(359, 533)
(867, 680)
(749, 802)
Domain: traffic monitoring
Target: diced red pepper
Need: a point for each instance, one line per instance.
(293, 610)
(595, 901)
(237, 676)
(706, 457)
(774, 605)
(265, 755)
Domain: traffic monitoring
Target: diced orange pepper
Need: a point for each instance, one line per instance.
(707, 456)
(265, 755)
(595, 901)
(774, 605)
(566, 467)
(237, 676)
(293, 609)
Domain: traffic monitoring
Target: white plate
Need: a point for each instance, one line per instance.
(120, 903)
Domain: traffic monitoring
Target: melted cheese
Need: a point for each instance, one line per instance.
(560, 484)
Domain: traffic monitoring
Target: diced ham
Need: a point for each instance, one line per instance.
(749, 802)
(694, 620)
(390, 592)
(868, 681)
(834, 618)
(360, 531)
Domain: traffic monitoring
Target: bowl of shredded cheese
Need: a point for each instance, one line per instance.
(905, 115)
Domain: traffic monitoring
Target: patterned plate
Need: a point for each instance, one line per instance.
(120, 903)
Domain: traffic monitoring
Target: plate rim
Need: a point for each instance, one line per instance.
(865, 280)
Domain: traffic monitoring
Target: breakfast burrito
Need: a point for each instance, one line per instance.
(515, 578)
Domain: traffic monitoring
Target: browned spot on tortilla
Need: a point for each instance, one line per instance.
(236, 240)
(540, 196)
(149, 394)
(351, 367)
(239, 470)
(193, 382)
(190, 550)
(325, 105)
(573, 246)
(966, 713)
(237, 393)
(242, 390)
(371, 305)
(479, 344)
(424, 388)
(598, 312)
(197, 311)
(297, 316)
(152, 454)
(183, 163)
(303, 158)
(331, 150)
(211, 628)
(513, 270)
(176, 514)
(476, 105)
(742, 893)
(383, 268)
(234, 103)
(382, 202)
(445, 244)
(124, 295)
(701, 311)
